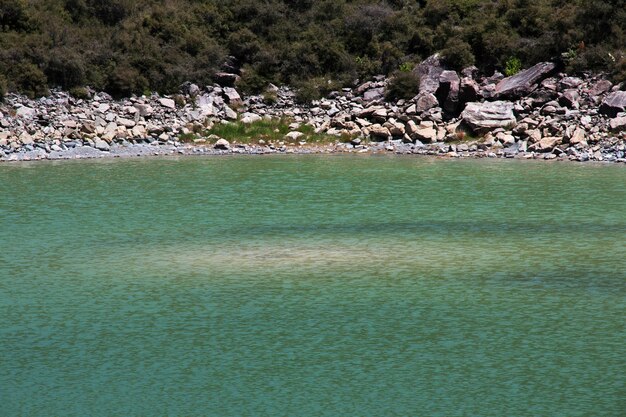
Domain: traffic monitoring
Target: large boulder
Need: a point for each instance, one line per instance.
(425, 102)
(524, 82)
(483, 117)
(614, 103)
(429, 72)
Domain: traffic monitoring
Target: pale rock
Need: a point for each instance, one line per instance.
(546, 144)
(168, 103)
(578, 137)
(230, 113)
(26, 139)
(126, 122)
(379, 132)
(425, 102)
(232, 96)
(25, 112)
(222, 144)
(614, 103)
(145, 110)
(618, 124)
(482, 117)
(293, 136)
(101, 145)
(248, 118)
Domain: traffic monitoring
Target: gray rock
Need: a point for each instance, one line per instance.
(618, 124)
(248, 118)
(614, 103)
(378, 132)
(293, 136)
(145, 110)
(425, 102)
(524, 82)
(232, 96)
(222, 144)
(230, 113)
(425, 134)
(429, 72)
(101, 145)
(600, 88)
(568, 83)
(570, 98)
(482, 117)
(468, 91)
(226, 79)
(578, 138)
(168, 103)
(546, 144)
(374, 94)
(25, 112)
(448, 91)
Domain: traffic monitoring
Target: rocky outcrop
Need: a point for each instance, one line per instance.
(558, 119)
(524, 82)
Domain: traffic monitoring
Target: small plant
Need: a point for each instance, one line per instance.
(179, 99)
(406, 67)
(270, 97)
(187, 137)
(512, 66)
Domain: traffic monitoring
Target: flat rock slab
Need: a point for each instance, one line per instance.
(524, 82)
(615, 103)
(483, 117)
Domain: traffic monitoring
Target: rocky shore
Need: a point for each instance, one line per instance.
(535, 114)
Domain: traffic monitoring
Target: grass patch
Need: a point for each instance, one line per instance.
(273, 130)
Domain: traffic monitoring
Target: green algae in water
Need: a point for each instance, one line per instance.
(312, 286)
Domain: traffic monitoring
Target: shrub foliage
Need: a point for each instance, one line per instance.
(128, 46)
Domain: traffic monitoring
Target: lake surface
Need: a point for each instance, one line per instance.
(335, 286)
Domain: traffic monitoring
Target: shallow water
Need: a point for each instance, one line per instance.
(312, 286)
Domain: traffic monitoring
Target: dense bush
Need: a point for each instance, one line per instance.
(403, 85)
(128, 46)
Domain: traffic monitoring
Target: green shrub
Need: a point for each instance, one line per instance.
(31, 80)
(402, 85)
(126, 80)
(458, 54)
(270, 97)
(80, 93)
(513, 66)
(307, 91)
(251, 82)
(3, 87)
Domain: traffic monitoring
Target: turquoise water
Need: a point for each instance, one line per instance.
(369, 286)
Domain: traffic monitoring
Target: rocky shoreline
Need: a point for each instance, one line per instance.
(535, 114)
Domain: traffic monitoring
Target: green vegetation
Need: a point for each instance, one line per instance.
(273, 130)
(132, 46)
(403, 85)
(512, 67)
